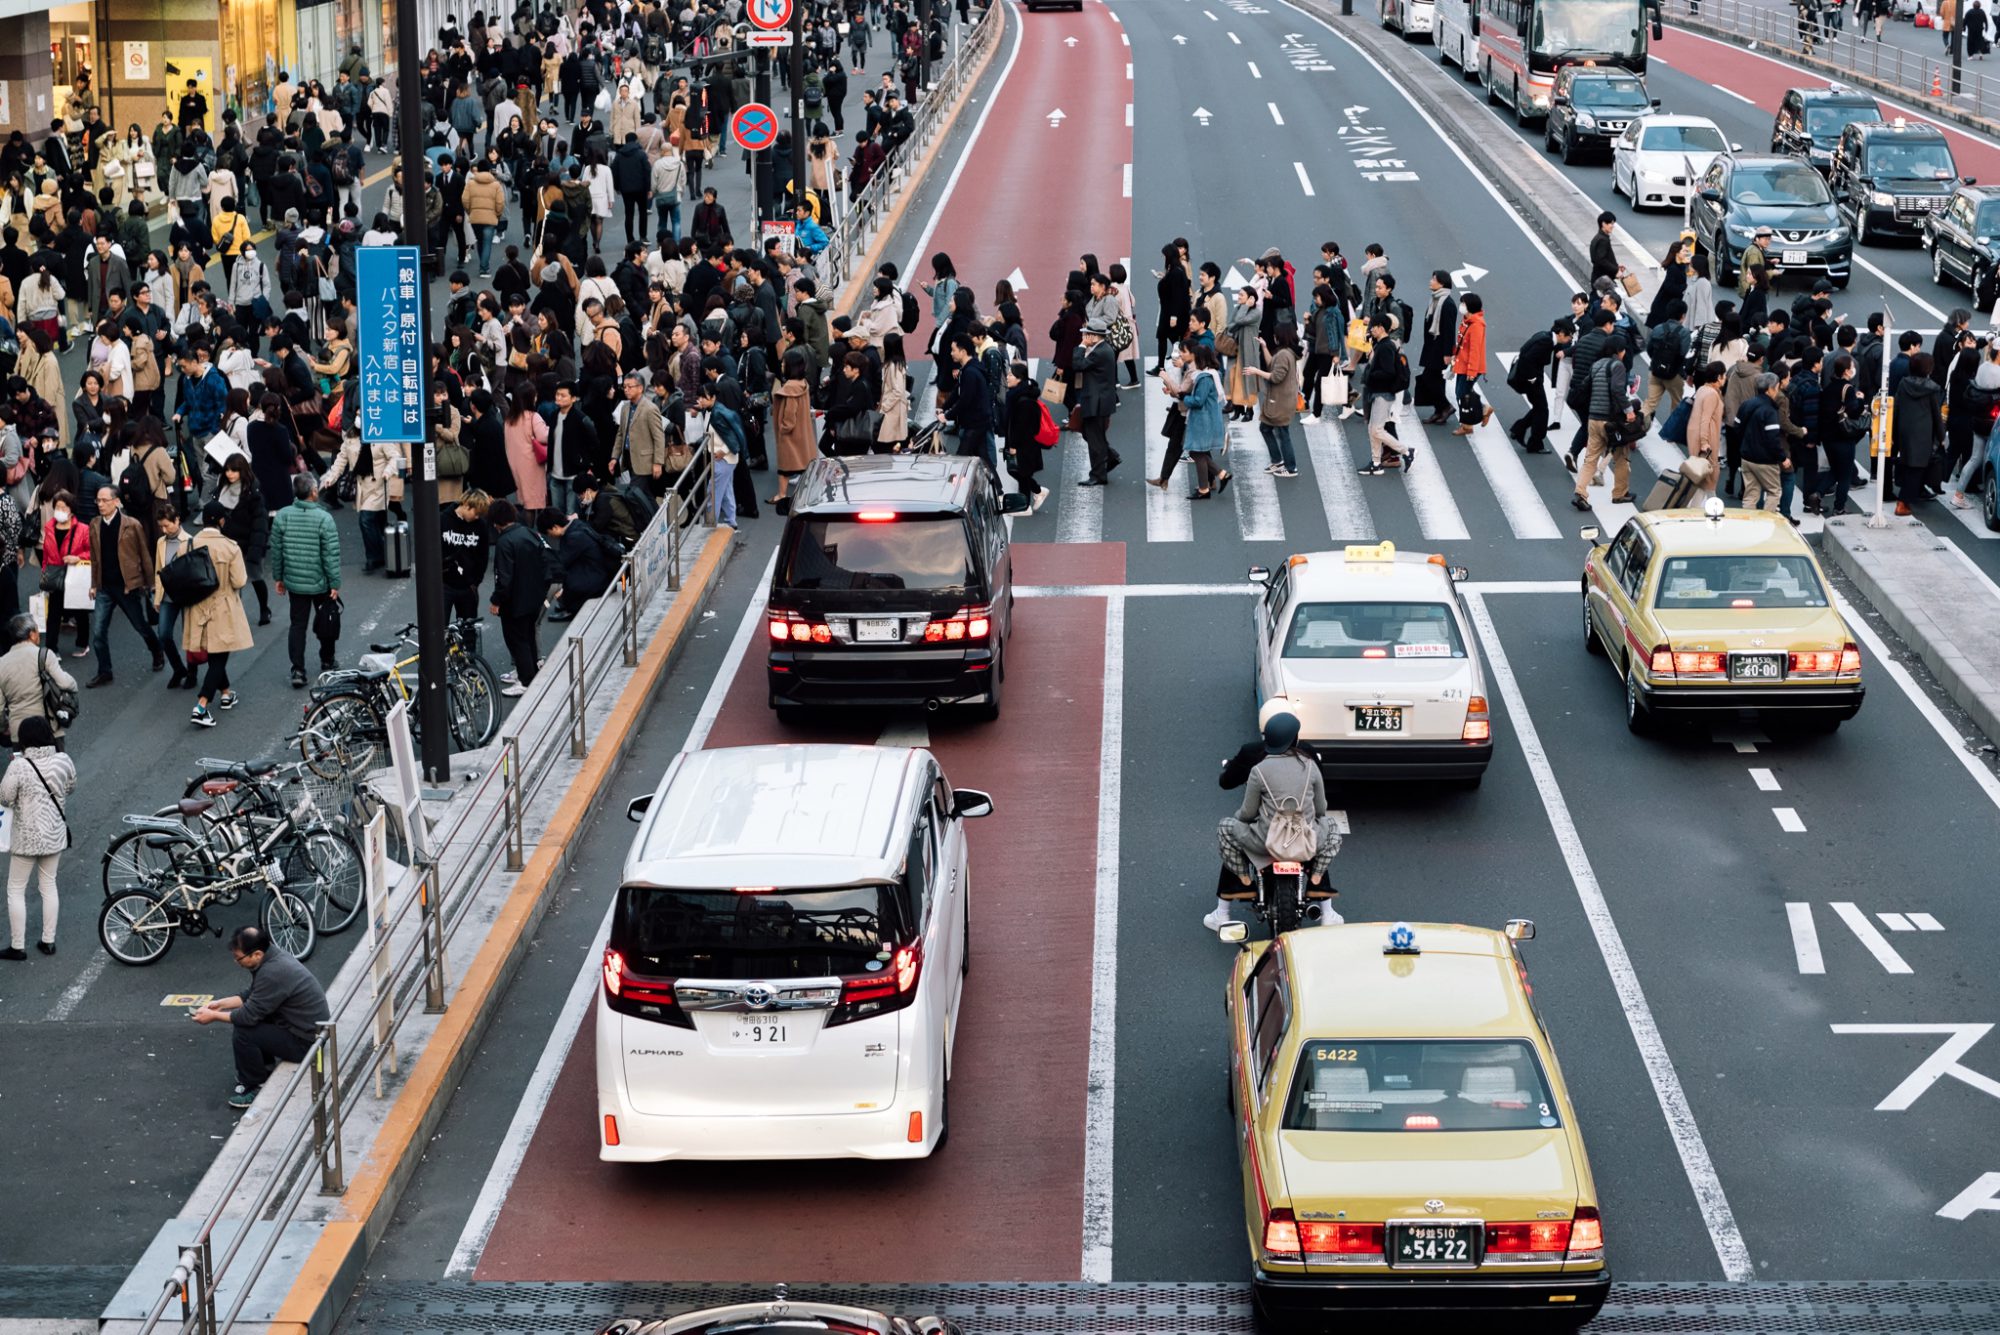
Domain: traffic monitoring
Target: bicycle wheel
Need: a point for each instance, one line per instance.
(472, 696)
(288, 923)
(146, 861)
(324, 866)
(135, 928)
(339, 736)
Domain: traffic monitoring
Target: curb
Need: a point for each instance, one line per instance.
(334, 1265)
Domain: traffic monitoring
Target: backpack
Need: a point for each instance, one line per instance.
(1291, 835)
(341, 170)
(1046, 432)
(59, 702)
(1663, 351)
(189, 578)
(911, 314)
(641, 504)
(135, 490)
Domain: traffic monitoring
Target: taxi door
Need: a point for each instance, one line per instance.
(1268, 621)
(1614, 590)
(1261, 1007)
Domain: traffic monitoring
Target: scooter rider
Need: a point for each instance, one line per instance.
(1274, 768)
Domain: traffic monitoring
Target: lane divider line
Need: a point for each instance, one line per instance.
(1788, 820)
(1305, 182)
(1255, 73)
(1896, 922)
(1805, 938)
(1100, 1104)
(1276, 118)
(1767, 782)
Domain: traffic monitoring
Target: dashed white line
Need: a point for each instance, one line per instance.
(1305, 182)
(1211, 16)
(1128, 71)
(1099, 1100)
(1788, 820)
(1805, 938)
(1255, 73)
(1896, 922)
(1124, 40)
(1276, 116)
(1767, 782)
(1234, 38)
(1878, 944)
(1926, 923)
(1128, 180)
(1128, 115)
(1733, 93)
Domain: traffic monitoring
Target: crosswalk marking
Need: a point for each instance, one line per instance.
(1169, 513)
(1080, 510)
(1430, 496)
(1256, 491)
(1508, 476)
(1347, 517)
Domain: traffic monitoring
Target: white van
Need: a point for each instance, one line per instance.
(787, 958)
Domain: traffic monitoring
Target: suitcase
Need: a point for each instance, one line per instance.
(396, 550)
(1677, 487)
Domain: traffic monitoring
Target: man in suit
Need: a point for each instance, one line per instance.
(105, 272)
(1095, 366)
(642, 438)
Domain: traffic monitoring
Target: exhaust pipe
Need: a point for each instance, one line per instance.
(932, 705)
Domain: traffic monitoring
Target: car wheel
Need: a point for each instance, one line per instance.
(1937, 266)
(1638, 718)
(1486, 79)
(1982, 287)
(1823, 725)
(944, 1104)
(791, 716)
(1989, 499)
(1861, 227)
(1568, 148)
(1725, 271)
(1520, 115)
(989, 710)
(1840, 283)
(1591, 644)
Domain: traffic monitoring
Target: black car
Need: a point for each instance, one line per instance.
(1741, 192)
(784, 1315)
(1590, 107)
(894, 586)
(1963, 238)
(1810, 120)
(1890, 176)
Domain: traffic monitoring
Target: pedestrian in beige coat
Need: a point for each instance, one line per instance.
(792, 418)
(216, 626)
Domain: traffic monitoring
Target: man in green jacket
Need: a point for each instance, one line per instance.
(305, 565)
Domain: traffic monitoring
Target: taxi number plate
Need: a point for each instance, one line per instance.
(1792, 257)
(1756, 667)
(761, 1033)
(1434, 1244)
(875, 630)
(1377, 718)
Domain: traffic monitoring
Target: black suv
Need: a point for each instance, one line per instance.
(894, 586)
(1963, 238)
(1741, 192)
(1590, 107)
(1889, 176)
(1810, 120)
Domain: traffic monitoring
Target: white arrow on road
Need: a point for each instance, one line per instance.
(1069, 41)
(1179, 40)
(1018, 280)
(1468, 275)
(1202, 114)
(1352, 112)
(1055, 118)
(1233, 280)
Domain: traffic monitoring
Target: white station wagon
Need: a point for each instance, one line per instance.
(787, 958)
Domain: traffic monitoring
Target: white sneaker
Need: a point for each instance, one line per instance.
(1216, 916)
(1041, 498)
(1310, 419)
(509, 677)
(514, 692)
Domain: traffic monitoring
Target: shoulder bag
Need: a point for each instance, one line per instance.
(59, 702)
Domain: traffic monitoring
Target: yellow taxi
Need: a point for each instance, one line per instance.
(1405, 1136)
(1717, 610)
(1374, 649)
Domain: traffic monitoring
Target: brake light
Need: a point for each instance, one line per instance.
(1420, 1122)
(642, 998)
(863, 996)
(1374, 653)
(1742, 602)
(1663, 661)
(614, 972)
(1478, 726)
(909, 962)
(1816, 661)
(1542, 1235)
(796, 628)
(1323, 1239)
(876, 516)
(1281, 1235)
(1850, 660)
(1286, 868)
(1689, 664)
(1586, 1237)
(967, 623)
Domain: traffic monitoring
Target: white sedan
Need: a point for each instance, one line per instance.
(1655, 157)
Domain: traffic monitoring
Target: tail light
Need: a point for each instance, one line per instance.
(966, 624)
(640, 997)
(1478, 726)
(1663, 662)
(797, 628)
(1542, 1235)
(1281, 1236)
(1287, 868)
(1850, 660)
(1690, 664)
(1813, 663)
(1324, 1239)
(870, 994)
(1586, 1236)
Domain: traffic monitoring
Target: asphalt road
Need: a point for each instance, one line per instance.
(1738, 1127)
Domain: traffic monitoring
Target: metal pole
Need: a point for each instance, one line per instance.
(431, 886)
(425, 524)
(1957, 58)
(326, 1110)
(763, 179)
(579, 734)
(510, 793)
(924, 55)
(630, 611)
(1884, 423)
(208, 1326)
(798, 107)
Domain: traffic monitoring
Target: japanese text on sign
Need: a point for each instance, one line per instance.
(389, 295)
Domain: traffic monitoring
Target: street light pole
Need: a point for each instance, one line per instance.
(425, 526)
(798, 106)
(762, 174)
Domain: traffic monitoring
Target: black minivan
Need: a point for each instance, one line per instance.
(893, 586)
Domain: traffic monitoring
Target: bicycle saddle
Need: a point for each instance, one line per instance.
(254, 769)
(389, 648)
(217, 787)
(194, 806)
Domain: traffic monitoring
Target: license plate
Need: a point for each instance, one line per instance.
(875, 630)
(1434, 1245)
(1792, 257)
(1377, 718)
(1757, 667)
(762, 1033)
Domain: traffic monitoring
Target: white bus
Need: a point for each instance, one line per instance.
(1514, 47)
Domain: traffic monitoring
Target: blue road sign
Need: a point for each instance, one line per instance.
(754, 127)
(389, 301)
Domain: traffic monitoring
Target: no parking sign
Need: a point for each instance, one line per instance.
(754, 127)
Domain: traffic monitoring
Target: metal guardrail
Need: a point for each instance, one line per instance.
(867, 210)
(1927, 80)
(470, 844)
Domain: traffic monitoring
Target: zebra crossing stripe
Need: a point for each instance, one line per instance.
(1347, 517)
(1169, 513)
(1256, 491)
(1430, 495)
(1512, 487)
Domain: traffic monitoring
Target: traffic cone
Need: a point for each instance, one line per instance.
(1937, 81)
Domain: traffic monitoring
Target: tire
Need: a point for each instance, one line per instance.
(1824, 725)
(1284, 914)
(1937, 266)
(339, 735)
(1861, 227)
(989, 710)
(944, 1104)
(1591, 644)
(790, 716)
(1989, 503)
(1638, 718)
(135, 930)
(1520, 117)
(324, 868)
(1486, 81)
(1982, 287)
(288, 923)
(472, 699)
(1725, 268)
(133, 864)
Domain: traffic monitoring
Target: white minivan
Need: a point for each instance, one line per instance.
(787, 958)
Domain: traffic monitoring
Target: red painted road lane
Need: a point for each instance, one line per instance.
(1036, 197)
(1058, 563)
(1764, 79)
(1003, 1200)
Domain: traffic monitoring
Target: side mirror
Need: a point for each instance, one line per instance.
(1459, 574)
(1969, 180)
(1232, 933)
(1711, 194)
(1520, 929)
(1588, 533)
(1985, 240)
(1659, 30)
(1260, 575)
(1475, 25)
(636, 809)
(1560, 99)
(970, 803)
(1736, 148)
(1656, 104)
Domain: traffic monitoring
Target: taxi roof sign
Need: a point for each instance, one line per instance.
(1402, 941)
(1378, 551)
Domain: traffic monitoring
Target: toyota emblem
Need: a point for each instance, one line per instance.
(758, 997)
(1434, 1206)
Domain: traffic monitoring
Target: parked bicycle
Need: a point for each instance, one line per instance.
(346, 803)
(346, 723)
(249, 801)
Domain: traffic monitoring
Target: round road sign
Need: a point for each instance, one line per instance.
(770, 15)
(754, 127)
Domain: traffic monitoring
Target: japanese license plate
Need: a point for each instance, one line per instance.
(875, 630)
(1378, 718)
(1434, 1244)
(1756, 667)
(760, 1031)
(1792, 257)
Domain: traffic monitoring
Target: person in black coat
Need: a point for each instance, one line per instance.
(849, 397)
(588, 561)
(466, 540)
(1440, 324)
(1022, 420)
(486, 440)
(522, 571)
(1534, 370)
(274, 453)
(1175, 296)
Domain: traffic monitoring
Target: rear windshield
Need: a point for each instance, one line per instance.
(1607, 92)
(911, 552)
(1419, 1085)
(810, 933)
(1739, 581)
(1826, 122)
(1922, 159)
(1373, 630)
(1683, 139)
(1989, 218)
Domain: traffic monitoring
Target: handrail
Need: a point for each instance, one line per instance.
(469, 843)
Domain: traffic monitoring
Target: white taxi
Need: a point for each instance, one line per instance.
(1375, 651)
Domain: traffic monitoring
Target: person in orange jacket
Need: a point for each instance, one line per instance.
(1468, 359)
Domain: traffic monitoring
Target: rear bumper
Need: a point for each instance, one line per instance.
(1347, 759)
(861, 677)
(1841, 701)
(1565, 1299)
(649, 1138)
(1887, 222)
